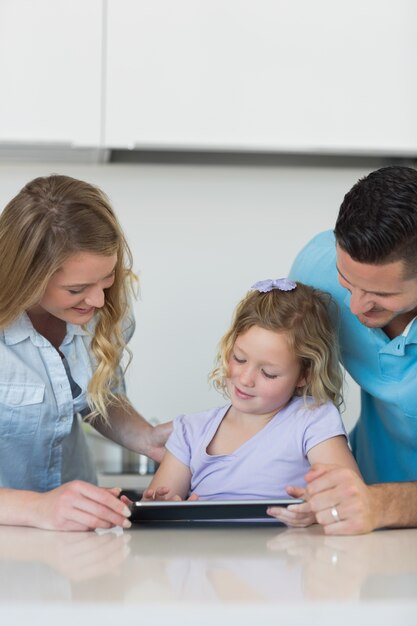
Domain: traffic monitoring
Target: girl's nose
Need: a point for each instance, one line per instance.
(247, 377)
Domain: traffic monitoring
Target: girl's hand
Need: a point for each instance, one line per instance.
(295, 515)
(158, 494)
(161, 494)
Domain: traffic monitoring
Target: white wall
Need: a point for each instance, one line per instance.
(201, 235)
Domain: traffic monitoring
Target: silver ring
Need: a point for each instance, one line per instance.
(335, 514)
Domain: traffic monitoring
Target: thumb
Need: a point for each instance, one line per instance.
(316, 470)
(297, 492)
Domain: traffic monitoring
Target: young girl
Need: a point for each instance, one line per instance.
(279, 367)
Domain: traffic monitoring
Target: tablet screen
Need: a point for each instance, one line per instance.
(172, 511)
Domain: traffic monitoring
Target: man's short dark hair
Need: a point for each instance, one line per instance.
(377, 222)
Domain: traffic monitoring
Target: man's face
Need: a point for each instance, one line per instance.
(379, 293)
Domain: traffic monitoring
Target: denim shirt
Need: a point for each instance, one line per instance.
(42, 444)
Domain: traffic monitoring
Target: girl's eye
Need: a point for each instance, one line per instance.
(238, 360)
(73, 292)
(271, 376)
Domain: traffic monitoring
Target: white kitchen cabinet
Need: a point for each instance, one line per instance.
(51, 71)
(324, 76)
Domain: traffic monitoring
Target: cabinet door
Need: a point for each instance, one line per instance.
(319, 76)
(50, 71)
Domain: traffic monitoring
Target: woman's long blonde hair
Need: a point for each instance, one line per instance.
(50, 219)
(303, 315)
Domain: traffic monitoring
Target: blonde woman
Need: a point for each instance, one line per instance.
(65, 277)
(279, 368)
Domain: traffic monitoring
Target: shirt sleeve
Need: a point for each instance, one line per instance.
(178, 442)
(322, 423)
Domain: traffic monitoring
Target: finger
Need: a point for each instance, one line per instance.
(296, 492)
(103, 512)
(295, 519)
(149, 494)
(192, 497)
(316, 470)
(99, 499)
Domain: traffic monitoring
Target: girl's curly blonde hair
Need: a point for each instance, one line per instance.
(303, 314)
(50, 219)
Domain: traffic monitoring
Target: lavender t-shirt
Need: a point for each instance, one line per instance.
(263, 466)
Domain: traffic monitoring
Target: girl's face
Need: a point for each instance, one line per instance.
(77, 289)
(263, 372)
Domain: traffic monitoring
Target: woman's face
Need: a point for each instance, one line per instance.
(77, 289)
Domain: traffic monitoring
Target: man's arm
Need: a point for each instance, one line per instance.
(360, 507)
(129, 429)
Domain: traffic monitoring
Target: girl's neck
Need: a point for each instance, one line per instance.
(250, 419)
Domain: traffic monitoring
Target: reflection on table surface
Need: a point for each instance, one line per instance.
(198, 565)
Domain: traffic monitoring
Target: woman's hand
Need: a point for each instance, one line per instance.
(295, 515)
(78, 505)
(156, 441)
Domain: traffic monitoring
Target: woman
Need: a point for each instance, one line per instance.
(65, 278)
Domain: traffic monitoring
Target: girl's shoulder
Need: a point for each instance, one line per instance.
(307, 406)
(200, 419)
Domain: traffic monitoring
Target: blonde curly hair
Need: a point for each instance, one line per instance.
(50, 219)
(303, 314)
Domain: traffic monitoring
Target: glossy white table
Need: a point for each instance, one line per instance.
(207, 576)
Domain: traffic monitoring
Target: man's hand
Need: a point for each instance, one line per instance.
(342, 502)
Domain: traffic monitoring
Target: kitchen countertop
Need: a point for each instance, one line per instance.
(205, 576)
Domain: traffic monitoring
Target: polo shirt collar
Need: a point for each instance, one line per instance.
(409, 334)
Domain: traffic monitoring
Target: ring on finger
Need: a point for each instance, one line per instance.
(335, 514)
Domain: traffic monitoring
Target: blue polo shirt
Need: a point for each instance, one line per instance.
(384, 439)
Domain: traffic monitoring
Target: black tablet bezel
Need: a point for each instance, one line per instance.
(189, 511)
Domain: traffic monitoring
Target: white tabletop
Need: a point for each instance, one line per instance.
(207, 576)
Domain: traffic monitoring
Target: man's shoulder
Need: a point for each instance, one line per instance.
(315, 264)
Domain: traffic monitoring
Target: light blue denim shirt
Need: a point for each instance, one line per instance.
(42, 444)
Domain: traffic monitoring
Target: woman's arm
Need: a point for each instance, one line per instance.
(129, 429)
(172, 480)
(76, 505)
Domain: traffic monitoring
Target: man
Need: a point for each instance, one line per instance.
(369, 265)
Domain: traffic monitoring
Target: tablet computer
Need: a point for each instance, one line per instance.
(208, 510)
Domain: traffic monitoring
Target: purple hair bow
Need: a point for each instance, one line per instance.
(283, 284)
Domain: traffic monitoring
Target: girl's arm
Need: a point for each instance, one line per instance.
(171, 481)
(334, 451)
